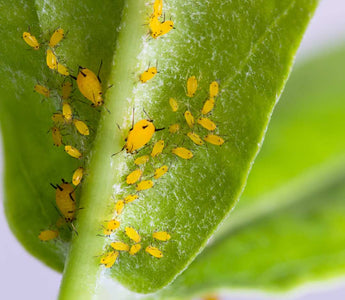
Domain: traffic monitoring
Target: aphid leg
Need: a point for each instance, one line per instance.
(99, 70)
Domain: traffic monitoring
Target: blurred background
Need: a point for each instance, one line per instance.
(21, 275)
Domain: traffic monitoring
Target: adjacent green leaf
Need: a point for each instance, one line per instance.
(293, 234)
(248, 47)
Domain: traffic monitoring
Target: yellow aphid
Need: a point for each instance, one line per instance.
(214, 139)
(157, 148)
(65, 200)
(130, 198)
(207, 124)
(208, 106)
(66, 90)
(144, 185)
(134, 176)
(132, 234)
(72, 151)
(174, 128)
(81, 127)
(189, 118)
(58, 118)
(56, 37)
(62, 69)
(78, 176)
(157, 8)
(148, 74)
(31, 40)
(42, 90)
(51, 60)
(182, 152)
(154, 251)
(161, 236)
(214, 89)
(90, 86)
(139, 135)
(195, 138)
(174, 105)
(120, 246)
(160, 172)
(142, 160)
(47, 235)
(109, 259)
(111, 226)
(67, 112)
(166, 27)
(155, 26)
(119, 206)
(192, 85)
(134, 249)
(57, 137)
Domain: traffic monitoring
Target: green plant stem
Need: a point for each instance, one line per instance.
(82, 267)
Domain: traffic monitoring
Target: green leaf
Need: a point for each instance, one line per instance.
(292, 234)
(248, 47)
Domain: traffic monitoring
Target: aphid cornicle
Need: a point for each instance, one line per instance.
(109, 259)
(56, 37)
(161, 236)
(134, 249)
(173, 104)
(72, 151)
(189, 118)
(154, 251)
(133, 234)
(214, 139)
(65, 200)
(42, 90)
(159, 172)
(208, 106)
(214, 89)
(48, 235)
(148, 74)
(182, 152)
(195, 138)
(134, 176)
(207, 124)
(51, 60)
(142, 160)
(78, 176)
(81, 127)
(144, 185)
(174, 128)
(90, 86)
(157, 148)
(192, 85)
(119, 246)
(31, 40)
(57, 137)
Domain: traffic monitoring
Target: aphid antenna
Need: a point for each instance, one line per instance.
(74, 229)
(149, 118)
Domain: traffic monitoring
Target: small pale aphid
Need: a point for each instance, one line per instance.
(161, 236)
(182, 152)
(173, 104)
(67, 112)
(90, 86)
(62, 69)
(208, 106)
(207, 124)
(133, 234)
(65, 200)
(157, 8)
(142, 160)
(157, 148)
(166, 27)
(58, 118)
(155, 26)
(134, 176)
(192, 85)
(47, 235)
(214, 139)
(31, 40)
(57, 137)
(130, 198)
(78, 176)
(113, 224)
(72, 151)
(139, 135)
(195, 138)
(174, 128)
(109, 259)
(154, 251)
(144, 185)
(189, 118)
(81, 127)
(66, 90)
(120, 246)
(148, 74)
(42, 90)
(51, 60)
(134, 249)
(56, 37)
(214, 89)
(160, 172)
(119, 206)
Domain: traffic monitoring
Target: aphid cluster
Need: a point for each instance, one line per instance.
(157, 27)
